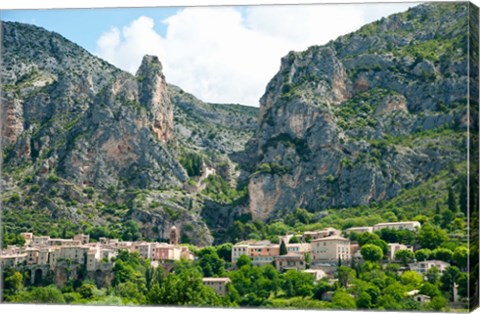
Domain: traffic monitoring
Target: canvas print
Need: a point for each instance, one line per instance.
(318, 156)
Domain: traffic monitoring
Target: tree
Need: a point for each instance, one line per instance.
(13, 280)
(452, 203)
(131, 231)
(283, 249)
(438, 303)
(437, 208)
(294, 239)
(423, 254)
(433, 275)
(224, 251)
(388, 302)
(320, 288)
(210, 263)
(431, 237)
(45, 295)
(442, 254)
(458, 224)
(460, 256)
(371, 252)
(185, 288)
(345, 275)
(449, 278)
(411, 278)
(86, 290)
(364, 301)
(392, 270)
(447, 218)
(463, 197)
(366, 238)
(342, 300)
(430, 289)
(4, 238)
(297, 283)
(396, 290)
(244, 260)
(404, 256)
(130, 293)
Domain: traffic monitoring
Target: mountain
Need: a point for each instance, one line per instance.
(366, 116)
(378, 116)
(85, 143)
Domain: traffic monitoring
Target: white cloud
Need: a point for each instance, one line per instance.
(228, 55)
(125, 49)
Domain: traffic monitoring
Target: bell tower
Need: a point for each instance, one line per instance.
(174, 235)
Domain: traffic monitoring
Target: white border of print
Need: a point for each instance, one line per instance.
(78, 309)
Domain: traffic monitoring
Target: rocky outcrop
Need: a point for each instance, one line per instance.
(153, 93)
(338, 123)
(85, 134)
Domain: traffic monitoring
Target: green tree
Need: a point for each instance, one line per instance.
(283, 249)
(342, 300)
(438, 303)
(86, 290)
(294, 239)
(452, 203)
(442, 254)
(460, 256)
(42, 295)
(423, 254)
(366, 238)
(447, 218)
(392, 270)
(431, 237)
(433, 275)
(224, 251)
(388, 302)
(371, 252)
(345, 275)
(449, 278)
(404, 256)
(185, 288)
(296, 283)
(130, 293)
(320, 288)
(411, 278)
(210, 263)
(13, 281)
(458, 224)
(463, 197)
(364, 301)
(430, 289)
(4, 238)
(395, 290)
(244, 260)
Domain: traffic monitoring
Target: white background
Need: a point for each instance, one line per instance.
(29, 4)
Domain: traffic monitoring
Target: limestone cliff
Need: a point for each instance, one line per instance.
(365, 116)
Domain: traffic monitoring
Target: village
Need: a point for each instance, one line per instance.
(318, 253)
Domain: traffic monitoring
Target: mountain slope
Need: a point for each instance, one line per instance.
(89, 146)
(366, 116)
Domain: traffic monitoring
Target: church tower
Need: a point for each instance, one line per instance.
(173, 235)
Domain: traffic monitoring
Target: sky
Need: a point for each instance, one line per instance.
(219, 54)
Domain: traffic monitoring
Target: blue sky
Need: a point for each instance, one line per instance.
(219, 54)
(85, 26)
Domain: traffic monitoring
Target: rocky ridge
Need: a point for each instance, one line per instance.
(365, 116)
(87, 143)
